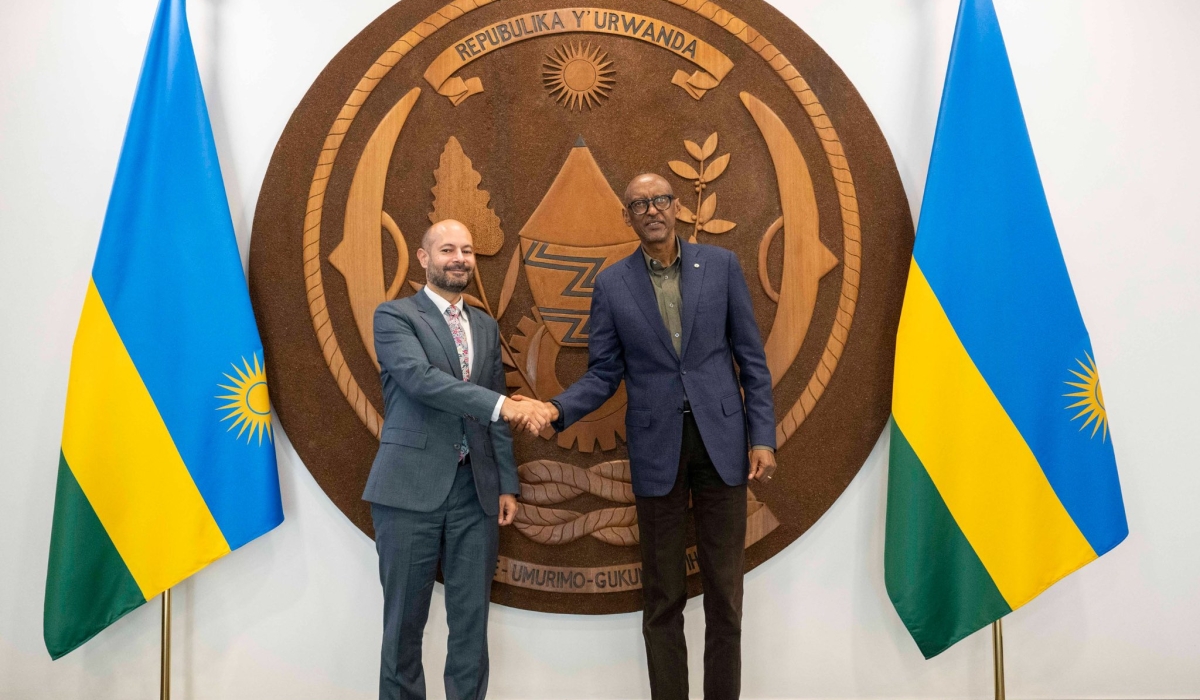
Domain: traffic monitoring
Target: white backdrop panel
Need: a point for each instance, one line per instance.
(1109, 94)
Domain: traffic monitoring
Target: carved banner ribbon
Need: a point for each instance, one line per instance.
(713, 64)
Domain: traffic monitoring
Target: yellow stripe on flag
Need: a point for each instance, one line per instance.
(980, 463)
(124, 459)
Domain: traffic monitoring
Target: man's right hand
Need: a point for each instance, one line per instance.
(530, 414)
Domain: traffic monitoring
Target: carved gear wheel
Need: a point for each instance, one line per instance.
(535, 350)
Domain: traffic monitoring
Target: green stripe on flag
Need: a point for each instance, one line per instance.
(934, 577)
(88, 586)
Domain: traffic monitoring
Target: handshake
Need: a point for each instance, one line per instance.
(527, 413)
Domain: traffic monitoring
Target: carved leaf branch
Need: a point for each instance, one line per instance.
(700, 176)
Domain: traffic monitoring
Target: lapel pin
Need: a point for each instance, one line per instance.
(696, 264)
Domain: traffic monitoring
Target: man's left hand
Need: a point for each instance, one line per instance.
(762, 465)
(508, 508)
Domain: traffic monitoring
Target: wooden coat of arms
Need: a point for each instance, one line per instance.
(524, 119)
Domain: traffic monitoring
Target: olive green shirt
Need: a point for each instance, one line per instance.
(665, 279)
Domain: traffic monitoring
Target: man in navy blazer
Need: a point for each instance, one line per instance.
(672, 320)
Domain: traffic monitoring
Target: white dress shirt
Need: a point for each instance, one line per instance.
(463, 319)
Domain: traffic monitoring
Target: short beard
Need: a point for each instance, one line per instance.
(441, 280)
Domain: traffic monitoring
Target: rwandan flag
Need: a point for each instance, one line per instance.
(1002, 478)
(167, 460)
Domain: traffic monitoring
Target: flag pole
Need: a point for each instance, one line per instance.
(998, 658)
(164, 688)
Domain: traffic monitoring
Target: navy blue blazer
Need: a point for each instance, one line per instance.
(628, 340)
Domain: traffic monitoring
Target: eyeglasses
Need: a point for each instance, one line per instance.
(641, 206)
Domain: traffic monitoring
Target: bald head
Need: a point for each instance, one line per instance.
(440, 230)
(648, 182)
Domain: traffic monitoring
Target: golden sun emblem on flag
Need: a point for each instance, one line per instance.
(1091, 398)
(249, 405)
(578, 75)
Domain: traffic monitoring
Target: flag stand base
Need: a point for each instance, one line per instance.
(998, 658)
(164, 687)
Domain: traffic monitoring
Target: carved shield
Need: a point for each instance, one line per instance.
(524, 120)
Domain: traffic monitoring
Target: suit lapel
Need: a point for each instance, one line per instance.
(691, 282)
(437, 323)
(481, 339)
(637, 278)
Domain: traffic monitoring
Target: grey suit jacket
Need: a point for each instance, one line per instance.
(428, 407)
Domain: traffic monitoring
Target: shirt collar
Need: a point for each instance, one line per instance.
(442, 304)
(655, 266)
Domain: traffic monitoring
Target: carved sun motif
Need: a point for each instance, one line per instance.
(577, 76)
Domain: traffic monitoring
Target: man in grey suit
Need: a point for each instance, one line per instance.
(444, 478)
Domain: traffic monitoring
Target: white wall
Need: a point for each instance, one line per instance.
(1110, 94)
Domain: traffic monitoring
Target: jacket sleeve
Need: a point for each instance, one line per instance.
(746, 343)
(402, 356)
(501, 435)
(606, 365)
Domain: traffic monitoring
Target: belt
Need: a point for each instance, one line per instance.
(687, 407)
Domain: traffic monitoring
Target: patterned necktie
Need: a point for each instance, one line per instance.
(454, 320)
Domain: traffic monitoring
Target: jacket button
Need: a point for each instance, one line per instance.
(685, 371)
(456, 446)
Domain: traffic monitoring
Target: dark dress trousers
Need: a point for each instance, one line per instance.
(688, 430)
(426, 508)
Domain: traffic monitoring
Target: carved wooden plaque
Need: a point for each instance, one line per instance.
(524, 119)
